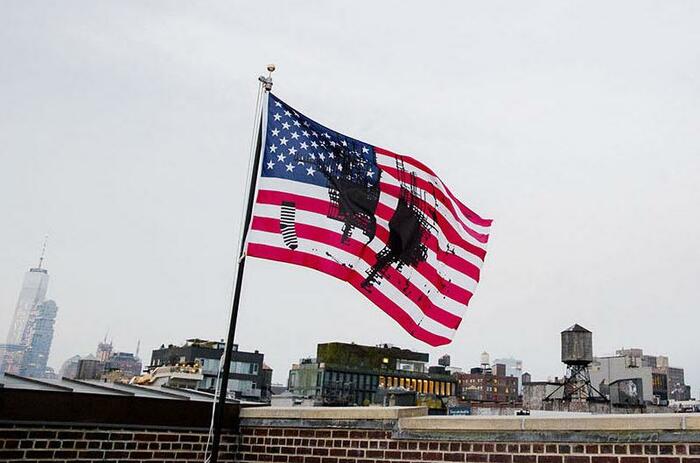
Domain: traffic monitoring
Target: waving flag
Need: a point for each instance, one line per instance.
(383, 222)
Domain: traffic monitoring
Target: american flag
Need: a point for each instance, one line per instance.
(382, 222)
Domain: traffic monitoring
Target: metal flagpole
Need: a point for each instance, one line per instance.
(225, 369)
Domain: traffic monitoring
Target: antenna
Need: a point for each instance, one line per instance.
(43, 250)
(138, 347)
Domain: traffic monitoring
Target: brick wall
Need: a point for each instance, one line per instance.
(369, 435)
(85, 443)
(308, 445)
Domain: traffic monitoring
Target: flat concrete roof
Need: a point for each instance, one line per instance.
(332, 413)
(417, 419)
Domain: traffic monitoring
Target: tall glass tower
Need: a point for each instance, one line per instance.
(40, 332)
(26, 318)
(33, 292)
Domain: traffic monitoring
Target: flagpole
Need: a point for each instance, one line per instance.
(225, 369)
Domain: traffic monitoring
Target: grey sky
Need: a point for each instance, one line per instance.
(125, 128)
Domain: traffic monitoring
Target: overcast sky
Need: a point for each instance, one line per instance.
(125, 130)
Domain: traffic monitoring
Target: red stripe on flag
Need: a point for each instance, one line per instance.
(443, 223)
(354, 247)
(322, 207)
(355, 279)
(439, 195)
(471, 215)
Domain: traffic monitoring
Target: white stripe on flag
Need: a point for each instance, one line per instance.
(408, 306)
(390, 161)
(321, 193)
(426, 286)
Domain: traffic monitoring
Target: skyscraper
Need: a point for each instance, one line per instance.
(40, 334)
(31, 329)
(33, 292)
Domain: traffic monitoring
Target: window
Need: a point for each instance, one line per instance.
(244, 368)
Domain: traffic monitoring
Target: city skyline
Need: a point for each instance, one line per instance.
(127, 130)
(35, 288)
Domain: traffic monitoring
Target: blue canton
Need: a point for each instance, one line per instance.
(297, 148)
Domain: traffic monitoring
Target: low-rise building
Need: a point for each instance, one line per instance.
(352, 374)
(657, 380)
(536, 392)
(487, 385)
(514, 368)
(248, 378)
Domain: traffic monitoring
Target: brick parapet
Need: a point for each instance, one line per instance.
(71, 443)
(369, 436)
(334, 445)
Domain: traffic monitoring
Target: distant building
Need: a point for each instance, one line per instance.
(535, 393)
(89, 368)
(487, 385)
(352, 374)
(69, 368)
(126, 362)
(31, 328)
(39, 336)
(11, 357)
(305, 378)
(248, 378)
(104, 350)
(33, 293)
(659, 382)
(106, 365)
(514, 368)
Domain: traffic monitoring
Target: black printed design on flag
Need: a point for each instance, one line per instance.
(409, 227)
(289, 233)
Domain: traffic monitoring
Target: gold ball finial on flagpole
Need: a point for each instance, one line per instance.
(267, 81)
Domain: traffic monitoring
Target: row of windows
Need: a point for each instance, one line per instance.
(371, 383)
(422, 386)
(212, 366)
(350, 380)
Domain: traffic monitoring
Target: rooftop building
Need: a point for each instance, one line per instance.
(248, 379)
(658, 382)
(352, 374)
(487, 385)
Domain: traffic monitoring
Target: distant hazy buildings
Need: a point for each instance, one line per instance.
(33, 293)
(40, 336)
(514, 368)
(492, 385)
(656, 383)
(627, 382)
(105, 364)
(31, 330)
(69, 368)
(126, 363)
